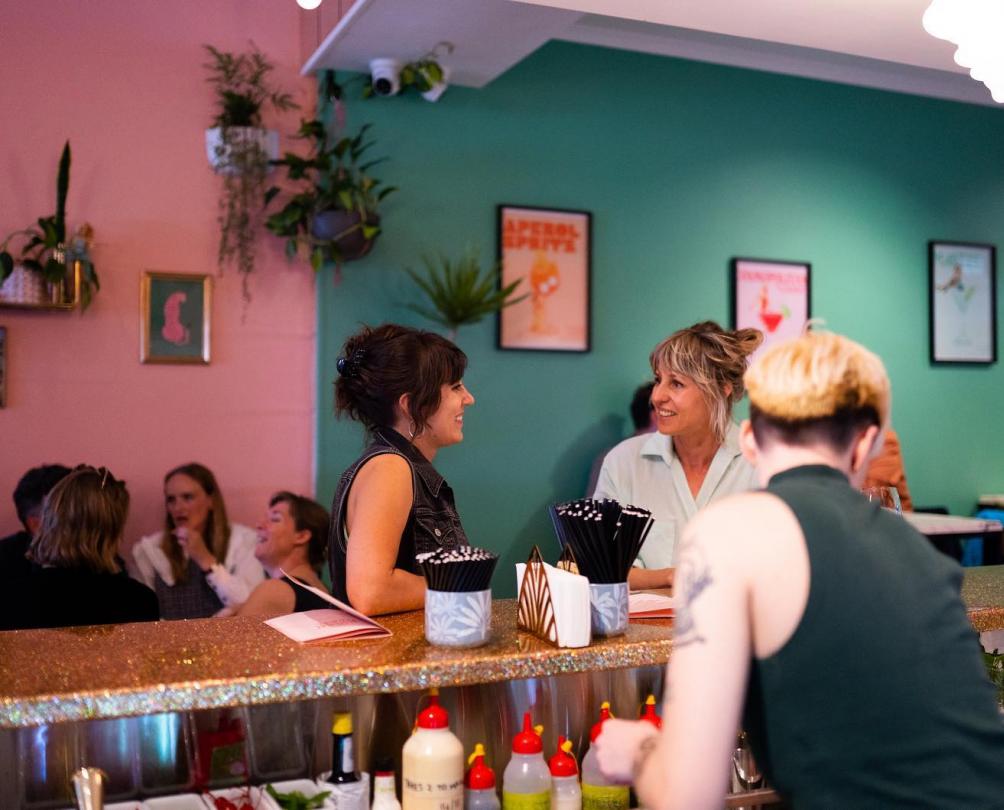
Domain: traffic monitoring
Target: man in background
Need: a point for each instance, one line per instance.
(29, 494)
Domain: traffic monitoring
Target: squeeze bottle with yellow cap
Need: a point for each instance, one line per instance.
(432, 772)
(598, 793)
(480, 783)
(565, 791)
(648, 712)
(526, 783)
(343, 760)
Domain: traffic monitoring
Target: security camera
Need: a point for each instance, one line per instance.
(385, 76)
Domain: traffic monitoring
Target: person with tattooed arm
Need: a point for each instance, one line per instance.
(824, 625)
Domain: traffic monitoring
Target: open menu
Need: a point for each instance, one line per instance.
(642, 605)
(341, 621)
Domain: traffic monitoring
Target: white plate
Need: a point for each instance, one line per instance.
(180, 801)
(260, 800)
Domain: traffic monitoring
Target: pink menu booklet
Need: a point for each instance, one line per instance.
(341, 621)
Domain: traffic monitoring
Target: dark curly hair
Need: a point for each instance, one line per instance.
(379, 364)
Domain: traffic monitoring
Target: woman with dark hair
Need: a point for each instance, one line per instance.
(200, 563)
(694, 457)
(406, 387)
(75, 576)
(292, 540)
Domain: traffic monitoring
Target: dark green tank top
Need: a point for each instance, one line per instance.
(879, 699)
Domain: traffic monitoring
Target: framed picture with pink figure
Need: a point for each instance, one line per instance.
(772, 296)
(175, 315)
(549, 250)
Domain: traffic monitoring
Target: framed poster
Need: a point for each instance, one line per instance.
(550, 251)
(772, 296)
(962, 289)
(175, 314)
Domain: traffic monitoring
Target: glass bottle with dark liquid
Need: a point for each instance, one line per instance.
(343, 758)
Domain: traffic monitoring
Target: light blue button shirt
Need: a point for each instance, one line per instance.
(645, 471)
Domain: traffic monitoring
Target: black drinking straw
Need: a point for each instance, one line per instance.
(604, 535)
(461, 570)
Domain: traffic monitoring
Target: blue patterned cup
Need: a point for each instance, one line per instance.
(608, 608)
(458, 619)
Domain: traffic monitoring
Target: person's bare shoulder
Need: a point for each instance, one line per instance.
(745, 528)
(387, 469)
(273, 597)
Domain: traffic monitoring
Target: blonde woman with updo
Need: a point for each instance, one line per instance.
(694, 457)
(826, 627)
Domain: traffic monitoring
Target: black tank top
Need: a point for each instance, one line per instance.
(305, 600)
(880, 698)
(433, 522)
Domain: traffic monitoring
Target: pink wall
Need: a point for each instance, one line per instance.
(122, 79)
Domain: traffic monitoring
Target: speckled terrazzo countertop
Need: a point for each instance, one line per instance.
(49, 676)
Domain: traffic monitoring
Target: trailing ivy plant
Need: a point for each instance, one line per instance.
(422, 75)
(243, 87)
(459, 293)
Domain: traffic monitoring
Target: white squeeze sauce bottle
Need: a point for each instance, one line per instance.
(432, 774)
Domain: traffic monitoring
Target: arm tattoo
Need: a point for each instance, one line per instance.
(692, 576)
(641, 756)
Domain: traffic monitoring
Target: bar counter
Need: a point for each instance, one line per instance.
(74, 674)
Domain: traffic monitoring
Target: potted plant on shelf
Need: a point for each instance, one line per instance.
(333, 211)
(42, 260)
(458, 292)
(239, 148)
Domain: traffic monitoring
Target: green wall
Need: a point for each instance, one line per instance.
(683, 165)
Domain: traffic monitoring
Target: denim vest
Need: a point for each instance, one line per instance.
(433, 522)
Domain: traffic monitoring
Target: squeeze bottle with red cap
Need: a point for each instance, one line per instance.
(599, 793)
(565, 791)
(648, 712)
(432, 773)
(480, 783)
(526, 783)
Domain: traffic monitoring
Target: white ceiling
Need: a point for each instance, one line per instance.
(874, 43)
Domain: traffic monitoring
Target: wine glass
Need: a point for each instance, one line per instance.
(886, 497)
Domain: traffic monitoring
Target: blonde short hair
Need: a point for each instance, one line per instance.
(82, 522)
(817, 377)
(715, 359)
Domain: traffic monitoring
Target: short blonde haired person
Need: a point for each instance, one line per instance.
(693, 457)
(823, 625)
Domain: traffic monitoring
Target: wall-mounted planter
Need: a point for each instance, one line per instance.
(221, 152)
(344, 230)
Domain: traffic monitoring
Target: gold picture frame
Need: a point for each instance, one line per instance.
(175, 316)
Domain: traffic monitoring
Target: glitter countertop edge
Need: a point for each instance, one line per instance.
(86, 673)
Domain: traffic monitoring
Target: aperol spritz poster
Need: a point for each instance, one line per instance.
(771, 296)
(548, 250)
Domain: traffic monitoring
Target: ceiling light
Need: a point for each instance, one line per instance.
(310, 5)
(975, 26)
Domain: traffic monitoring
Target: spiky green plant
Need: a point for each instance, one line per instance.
(459, 293)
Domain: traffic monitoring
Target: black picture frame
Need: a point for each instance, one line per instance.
(962, 302)
(786, 283)
(539, 323)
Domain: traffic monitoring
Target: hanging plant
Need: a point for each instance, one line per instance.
(332, 213)
(459, 293)
(239, 149)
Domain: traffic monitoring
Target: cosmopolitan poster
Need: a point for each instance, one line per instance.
(549, 251)
(772, 297)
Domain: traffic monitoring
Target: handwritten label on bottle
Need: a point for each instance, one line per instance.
(429, 795)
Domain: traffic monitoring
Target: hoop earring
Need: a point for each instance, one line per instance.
(411, 430)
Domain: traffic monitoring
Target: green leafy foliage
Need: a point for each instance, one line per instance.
(422, 75)
(330, 177)
(243, 86)
(295, 800)
(459, 293)
(43, 250)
